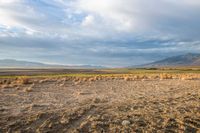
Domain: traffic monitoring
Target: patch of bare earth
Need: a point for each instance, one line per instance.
(114, 105)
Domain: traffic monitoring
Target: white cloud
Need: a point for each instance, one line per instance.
(9, 1)
(16, 14)
(113, 13)
(120, 27)
(140, 16)
(88, 21)
(110, 17)
(188, 3)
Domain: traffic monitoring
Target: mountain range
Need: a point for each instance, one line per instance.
(11, 63)
(190, 59)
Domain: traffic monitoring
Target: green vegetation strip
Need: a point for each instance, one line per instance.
(112, 72)
(153, 70)
(58, 75)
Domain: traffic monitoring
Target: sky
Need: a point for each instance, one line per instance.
(111, 33)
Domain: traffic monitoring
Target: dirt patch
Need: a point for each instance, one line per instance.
(113, 104)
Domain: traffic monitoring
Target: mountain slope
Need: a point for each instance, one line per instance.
(10, 63)
(16, 63)
(190, 59)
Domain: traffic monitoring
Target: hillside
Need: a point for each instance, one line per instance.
(11, 63)
(189, 59)
(17, 63)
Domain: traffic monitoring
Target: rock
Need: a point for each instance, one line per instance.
(64, 120)
(17, 88)
(29, 89)
(62, 84)
(96, 100)
(126, 122)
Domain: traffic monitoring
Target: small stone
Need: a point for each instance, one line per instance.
(126, 122)
(28, 89)
(96, 100)
(17, 88)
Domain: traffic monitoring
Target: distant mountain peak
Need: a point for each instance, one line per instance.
(189, 59)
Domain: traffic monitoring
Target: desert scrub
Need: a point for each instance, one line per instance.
(127, 78)
(23, 80)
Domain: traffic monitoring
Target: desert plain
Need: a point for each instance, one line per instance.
(100, 101)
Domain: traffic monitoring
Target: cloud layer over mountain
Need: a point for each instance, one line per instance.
(100, 32)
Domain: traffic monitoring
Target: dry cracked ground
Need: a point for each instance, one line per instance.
(64, 105)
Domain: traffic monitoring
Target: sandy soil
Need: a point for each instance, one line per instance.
(106, 105)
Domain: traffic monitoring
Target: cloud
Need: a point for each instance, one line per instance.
(140, 16)
(88, 21)
(111, 32)
(177, 19)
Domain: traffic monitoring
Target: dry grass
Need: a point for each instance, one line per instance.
(23, 80)
(30, 88)
(122, 102)
(102, 103)
(127, 78)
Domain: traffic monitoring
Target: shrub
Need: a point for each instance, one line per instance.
(127, 79)
(23, 80)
